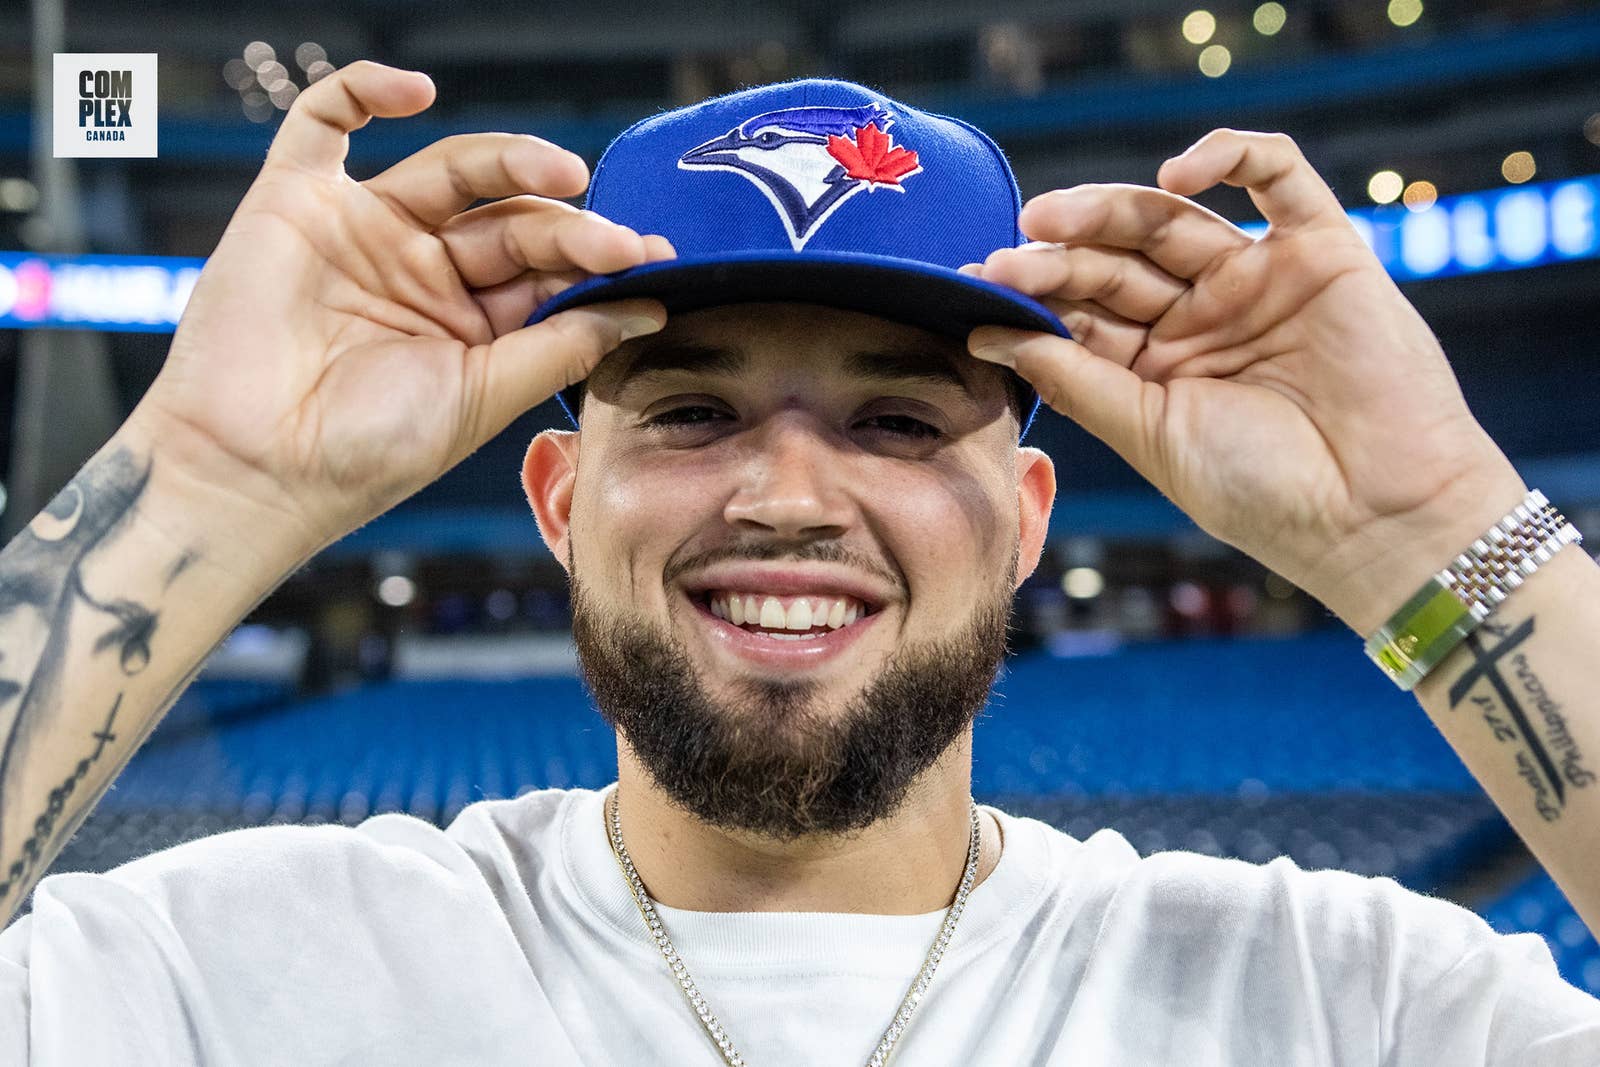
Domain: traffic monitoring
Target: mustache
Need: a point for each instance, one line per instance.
(785, 552)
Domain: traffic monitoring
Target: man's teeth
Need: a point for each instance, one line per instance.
(786, 613)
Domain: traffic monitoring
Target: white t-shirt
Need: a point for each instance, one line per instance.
(510, 938)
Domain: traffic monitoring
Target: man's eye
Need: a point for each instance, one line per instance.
(689, 415)
(905, 426)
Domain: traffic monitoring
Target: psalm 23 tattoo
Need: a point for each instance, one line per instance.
(1523, 715)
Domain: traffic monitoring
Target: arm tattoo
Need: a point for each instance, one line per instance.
(1549, 761)
(41, 593)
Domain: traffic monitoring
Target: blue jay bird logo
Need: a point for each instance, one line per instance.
(809, 160)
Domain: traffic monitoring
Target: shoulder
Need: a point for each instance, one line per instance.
(296, 872)
(323, 942)
(1195, 902)
(392, 853)
(246, 884)
(271, 900)
(519, 845)
(1274, 949)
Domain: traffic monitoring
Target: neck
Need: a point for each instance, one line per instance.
(907, 864)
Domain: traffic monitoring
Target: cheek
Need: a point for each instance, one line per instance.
(631, 514)
(947, 528)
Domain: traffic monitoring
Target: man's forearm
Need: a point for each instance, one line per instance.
(110, 600)
(1519, 701)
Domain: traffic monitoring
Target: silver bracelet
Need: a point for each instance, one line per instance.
(1452, 603)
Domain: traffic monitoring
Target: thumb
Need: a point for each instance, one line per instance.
(528, 366)
(1103, 397)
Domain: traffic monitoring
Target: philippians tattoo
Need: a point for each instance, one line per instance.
(42, 593)
(1547, 756)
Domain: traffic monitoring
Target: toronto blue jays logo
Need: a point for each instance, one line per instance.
(810, 160)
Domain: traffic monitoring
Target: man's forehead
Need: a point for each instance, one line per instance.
(897, 361)
(740, 339)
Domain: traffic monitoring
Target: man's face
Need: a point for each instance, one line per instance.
(793, 541)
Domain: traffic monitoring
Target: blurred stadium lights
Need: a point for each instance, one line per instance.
(308, 54)
(1518, 167)
(1010, 54)
(18, 194)
(396, 590)
(264, 83)
(1215, 59)
(1189, 599)
(259, 53)
(1405, 12)
(1420, 196)
(1385, 186)
(1269, 18)
(1082, 583)
(396, 570)
(1199, 26)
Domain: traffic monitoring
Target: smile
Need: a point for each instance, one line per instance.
(791, 618)
(781, 631)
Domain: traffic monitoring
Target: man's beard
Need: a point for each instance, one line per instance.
(773, 763)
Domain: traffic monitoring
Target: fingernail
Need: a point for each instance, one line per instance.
(996, 354)
(638, 325)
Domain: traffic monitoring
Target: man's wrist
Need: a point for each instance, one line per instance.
(1386, 564)
(254, 544)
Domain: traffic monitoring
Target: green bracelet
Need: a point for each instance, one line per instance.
(1452, 603)
(1421, 633)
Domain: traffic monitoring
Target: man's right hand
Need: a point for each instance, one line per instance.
(348, 342)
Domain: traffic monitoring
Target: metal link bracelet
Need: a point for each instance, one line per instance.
(1452, 603)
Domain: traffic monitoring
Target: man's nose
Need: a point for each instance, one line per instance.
(792, 483)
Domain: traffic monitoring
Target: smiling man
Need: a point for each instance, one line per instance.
(783, 647)
(793, 510)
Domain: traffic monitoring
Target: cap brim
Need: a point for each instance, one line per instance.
(920, 294)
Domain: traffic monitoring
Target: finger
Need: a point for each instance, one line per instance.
(508, 304)
(1104, 398)
(450, 175)
(1270, 166)
(1105, 333)
(1178, 235)
(658, 248)
(1126, 283)
(528, 366)
(315, 134)
(498, 241)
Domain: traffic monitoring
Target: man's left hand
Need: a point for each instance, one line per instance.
(1279, 390)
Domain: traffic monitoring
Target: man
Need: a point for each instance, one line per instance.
(793, 518)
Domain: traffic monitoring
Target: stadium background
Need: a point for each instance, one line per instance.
(1162, 683)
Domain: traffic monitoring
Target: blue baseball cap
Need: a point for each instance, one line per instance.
(814, 191)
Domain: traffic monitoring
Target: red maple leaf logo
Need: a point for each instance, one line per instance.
(870, 158)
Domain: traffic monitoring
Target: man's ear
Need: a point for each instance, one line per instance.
(549, 471)
(1036, 494)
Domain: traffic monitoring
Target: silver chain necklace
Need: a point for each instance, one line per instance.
(680, 972)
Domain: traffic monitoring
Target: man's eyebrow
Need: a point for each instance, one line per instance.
(900, 364)
(665, 356)
(911, 364)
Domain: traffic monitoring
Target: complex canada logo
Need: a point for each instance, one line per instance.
(104, 104)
